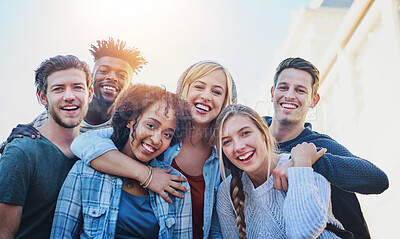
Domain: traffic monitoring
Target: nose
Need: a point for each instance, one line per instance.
(156, 139)
(111, 76)
(290, 94)
(206, 95)
(69, 94)
(239, 146)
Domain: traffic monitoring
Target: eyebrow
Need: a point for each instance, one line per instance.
(219, 86)
(241, 129)
(159, 123)
(110, 67)
(285, 83)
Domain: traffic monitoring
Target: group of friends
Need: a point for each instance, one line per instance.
(112, 159)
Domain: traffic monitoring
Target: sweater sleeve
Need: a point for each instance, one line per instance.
(347, 171)
(305, 209)
(93, 144)
(226, 215)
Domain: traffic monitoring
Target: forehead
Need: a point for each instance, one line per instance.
(158, 111)
(235, 123)
(73, 76)
(113, 62)
(293, 76)
(216, 78)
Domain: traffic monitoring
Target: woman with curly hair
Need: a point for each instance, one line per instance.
(92, 204)
(208, 88)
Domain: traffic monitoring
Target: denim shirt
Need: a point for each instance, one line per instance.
(93, 144)
(88, 206)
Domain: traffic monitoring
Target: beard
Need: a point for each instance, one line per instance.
(104, 101)
(63, 122)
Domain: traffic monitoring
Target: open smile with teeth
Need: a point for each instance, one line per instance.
(289, 106)
(148, 147)
(203, 107)
(70, 108)
(246, 156)
(108, 87)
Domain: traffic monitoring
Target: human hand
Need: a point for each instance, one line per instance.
(306, 154)
(23, 130)
(280, 175)
(164, 182)
(18, 132)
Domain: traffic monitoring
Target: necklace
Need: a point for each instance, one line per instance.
(129, 184)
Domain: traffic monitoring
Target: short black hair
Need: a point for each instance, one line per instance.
(118, 49)
(59, 63)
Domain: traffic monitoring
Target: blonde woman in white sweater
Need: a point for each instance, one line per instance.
(247, 204)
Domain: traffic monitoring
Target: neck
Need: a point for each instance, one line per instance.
(262, 174)
(97, 112)
(285, 131)
(60, 136)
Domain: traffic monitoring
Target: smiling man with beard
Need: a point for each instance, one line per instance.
(32, 171)
(113, 70)
(114, 65)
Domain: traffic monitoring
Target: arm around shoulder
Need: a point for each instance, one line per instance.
(92, 144)
(349, 172)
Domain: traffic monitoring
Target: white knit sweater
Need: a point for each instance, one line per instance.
(301, 212)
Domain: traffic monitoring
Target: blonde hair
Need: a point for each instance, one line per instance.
(236, 186)
(199, 70)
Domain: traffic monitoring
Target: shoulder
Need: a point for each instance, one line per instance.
(83, 169)
(283, 158)
(26, 148)
(224, 189)
(88, 127)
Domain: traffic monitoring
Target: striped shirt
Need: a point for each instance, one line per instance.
(43, 117)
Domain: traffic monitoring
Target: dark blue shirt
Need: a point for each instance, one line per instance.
(347, 173)
(136, 218)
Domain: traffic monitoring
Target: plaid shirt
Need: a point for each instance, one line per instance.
(88, 204)
(92, 144)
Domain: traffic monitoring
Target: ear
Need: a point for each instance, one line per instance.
(42, 97)
(129, 124)
(315, 100)
(272, 93)
(90, 94)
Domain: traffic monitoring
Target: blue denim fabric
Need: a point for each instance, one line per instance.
(92, 144)
(88, 204)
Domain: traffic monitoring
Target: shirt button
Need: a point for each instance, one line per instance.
(111, 233)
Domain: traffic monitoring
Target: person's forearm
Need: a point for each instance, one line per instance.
(116, 163)
(5, 234)
(352, 174)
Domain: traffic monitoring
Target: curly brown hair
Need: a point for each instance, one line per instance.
(131, 103)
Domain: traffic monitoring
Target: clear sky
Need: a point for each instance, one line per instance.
(172, 35)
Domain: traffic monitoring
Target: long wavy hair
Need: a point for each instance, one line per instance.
(130, 104)
(199, 70)
(237, 196)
